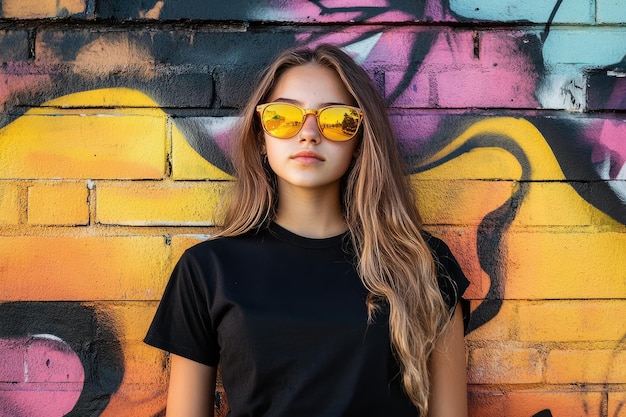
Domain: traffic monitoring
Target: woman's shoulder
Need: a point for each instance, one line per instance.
(224, 245)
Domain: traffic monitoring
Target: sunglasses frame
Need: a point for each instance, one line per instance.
(305, 112)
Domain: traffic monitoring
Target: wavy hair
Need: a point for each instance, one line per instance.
(392, 258)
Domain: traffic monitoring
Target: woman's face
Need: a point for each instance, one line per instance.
(308, 160)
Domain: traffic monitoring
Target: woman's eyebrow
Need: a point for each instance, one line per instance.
(299, 103)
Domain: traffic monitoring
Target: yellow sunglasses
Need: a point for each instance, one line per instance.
(284, 120)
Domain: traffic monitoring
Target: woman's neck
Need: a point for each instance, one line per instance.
(310, 213)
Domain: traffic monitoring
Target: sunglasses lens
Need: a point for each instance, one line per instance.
(339, 123)
(282, 120)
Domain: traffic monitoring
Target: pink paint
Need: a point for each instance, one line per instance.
(11, 83)
(451, 76)
(371, 11)
(45, 377)
(609, 148)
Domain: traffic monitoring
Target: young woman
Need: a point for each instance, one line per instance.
(321, 296)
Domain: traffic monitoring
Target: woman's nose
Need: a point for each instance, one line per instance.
(310, 131)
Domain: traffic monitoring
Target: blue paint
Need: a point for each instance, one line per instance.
(611, 11)
(537, 11)
(588, 47)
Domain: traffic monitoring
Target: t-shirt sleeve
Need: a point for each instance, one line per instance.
(182, 323)
(452, 281)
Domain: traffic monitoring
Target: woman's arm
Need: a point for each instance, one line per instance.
(191, 389)
(448, 389)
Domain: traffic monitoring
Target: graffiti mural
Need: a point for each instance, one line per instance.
(114, 140)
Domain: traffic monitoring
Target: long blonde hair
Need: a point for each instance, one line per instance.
(393, 260)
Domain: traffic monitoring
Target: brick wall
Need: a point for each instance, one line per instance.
(114, 125)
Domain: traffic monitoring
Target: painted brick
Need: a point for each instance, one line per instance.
(178, 87)
(145, 378)
(185, 50)
(592, 47)
(462, 243)
(144, 364)
(610, 11)
(502, 328)
(455, 75)
(490, 155)
(82, 268)
(36, 9)
(89, 60)
(565, 86)
(234, 85)
(50, 360)
(517, 136)
(558, 204)
(21, 86)
(571, 321)
(530, 403)
(565, 264)
(180, 243)
(617, 404)
(133, 318)
(56, 143)
(10, 207)
(605, 89)
(58, 204)
(505, 365)
(52, 399)
(459, 202)
(199, 147)
(138, 59)
(142, 400)
(577, 11)
(14, 46)
(81, 47)
(148, 204)
(298, 11)
(599, 366)
(12, 364)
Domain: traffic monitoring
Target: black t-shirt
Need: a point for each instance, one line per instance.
(286, 317)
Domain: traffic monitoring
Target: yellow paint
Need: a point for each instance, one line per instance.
(32, 9)
(597, 366)
(124, 101)
(446, 201)
(9, 203)
(163, 203)
(479, 164)
(571, 321)
(187, 164)
(617, 404)
(180, 243)
(566, 263)
(527, 402)
(83, 268)
(503, 329)
(58, 204)
(52, 142)
(501, 364)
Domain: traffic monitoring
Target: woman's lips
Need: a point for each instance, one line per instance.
(307, 156)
